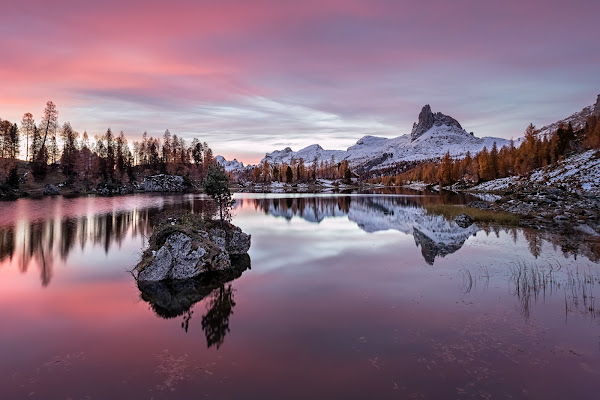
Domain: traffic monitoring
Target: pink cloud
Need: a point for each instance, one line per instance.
(379, 60)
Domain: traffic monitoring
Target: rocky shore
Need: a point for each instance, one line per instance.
(550, 208)
(565, 196)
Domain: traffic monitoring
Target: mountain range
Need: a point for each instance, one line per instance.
(431, 137)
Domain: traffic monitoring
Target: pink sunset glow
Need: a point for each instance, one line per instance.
(250, 77)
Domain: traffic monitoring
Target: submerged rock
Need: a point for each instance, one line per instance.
(185, 250)
(464, 220)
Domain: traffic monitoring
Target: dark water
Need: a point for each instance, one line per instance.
(347, 296)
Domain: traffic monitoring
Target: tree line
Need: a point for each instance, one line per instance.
(297, 171)
(104, 159)
(535, 151)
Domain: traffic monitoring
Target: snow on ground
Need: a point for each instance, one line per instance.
(417, 185)
(487, 197)
(580, 172)
(497, 184)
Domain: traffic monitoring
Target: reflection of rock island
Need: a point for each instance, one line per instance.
(173, 298)
(436, 236)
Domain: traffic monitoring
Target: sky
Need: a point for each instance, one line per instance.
(249, 77)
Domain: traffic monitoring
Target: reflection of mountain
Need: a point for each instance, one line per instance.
(169, 299)
(436, 236)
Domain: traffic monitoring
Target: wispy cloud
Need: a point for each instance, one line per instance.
(251, 76)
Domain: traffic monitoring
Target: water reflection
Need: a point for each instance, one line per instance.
(170, 299)
(532, 283)
(38, 243)
(436, 236)
(36, 236)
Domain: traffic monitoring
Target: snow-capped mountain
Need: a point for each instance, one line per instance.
(431, 137)
(233, 165)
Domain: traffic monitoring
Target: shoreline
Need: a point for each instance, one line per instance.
(542, 208)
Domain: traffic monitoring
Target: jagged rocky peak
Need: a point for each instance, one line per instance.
(427, 119)
(597, 106)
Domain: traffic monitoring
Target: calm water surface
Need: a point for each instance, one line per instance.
(347, 296)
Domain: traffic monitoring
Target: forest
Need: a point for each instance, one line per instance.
(31, 152)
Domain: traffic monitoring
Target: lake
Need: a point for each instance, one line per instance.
(349, 296)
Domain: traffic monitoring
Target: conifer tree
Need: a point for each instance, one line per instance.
(215, 185)
(27, 126)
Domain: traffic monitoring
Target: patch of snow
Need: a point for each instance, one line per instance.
(417, 185)
(497, 184)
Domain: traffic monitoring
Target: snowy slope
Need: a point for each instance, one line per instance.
(580, 172)
(308, 154)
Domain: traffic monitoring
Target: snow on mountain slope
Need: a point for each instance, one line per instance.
(433, 136)
(233, 165)
(308, 154)
(577, 120)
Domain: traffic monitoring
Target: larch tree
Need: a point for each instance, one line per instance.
(27, 126)
(48, 128)
(69, 155)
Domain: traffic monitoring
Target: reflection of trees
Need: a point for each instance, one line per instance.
(7, 244)
(42, 242)
(215, 322)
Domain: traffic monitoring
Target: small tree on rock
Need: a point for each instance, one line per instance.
(215, 184)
